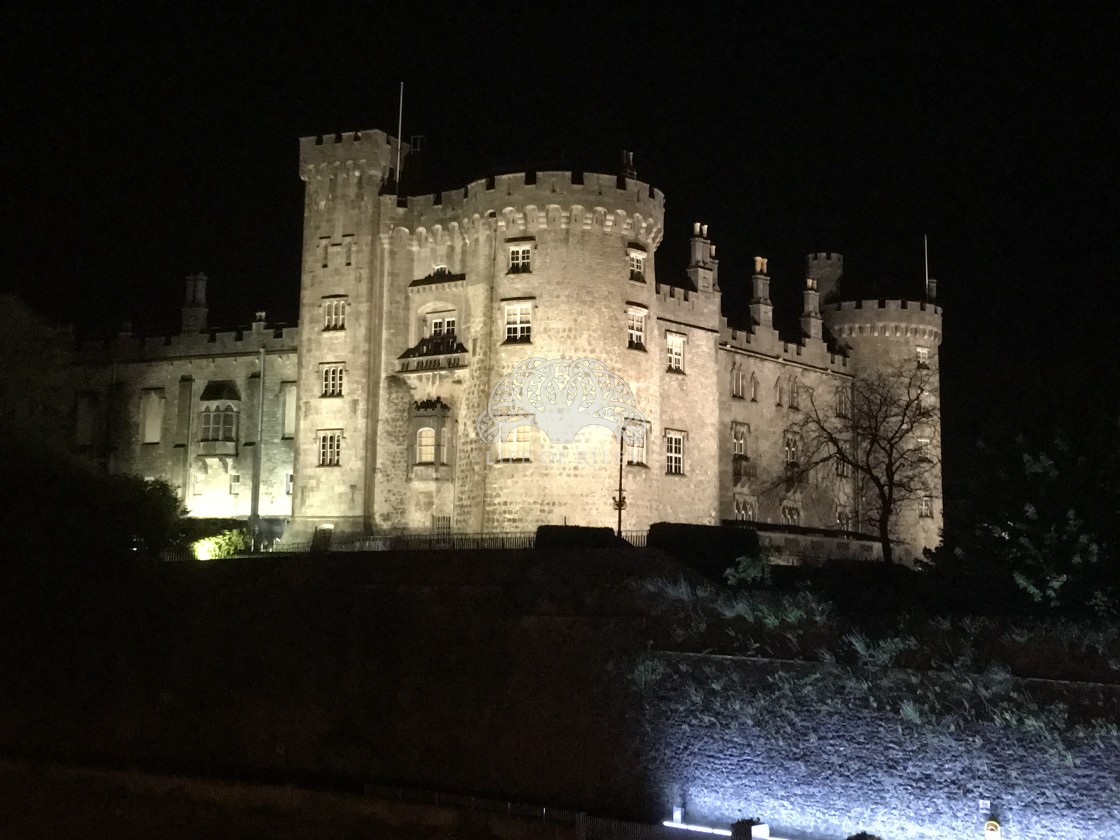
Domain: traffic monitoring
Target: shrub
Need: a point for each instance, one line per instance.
(226, 544)
(710, 549)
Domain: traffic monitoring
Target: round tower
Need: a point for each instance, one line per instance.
(828, 270)
(898, 340)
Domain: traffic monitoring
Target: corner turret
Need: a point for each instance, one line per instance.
(193, 316)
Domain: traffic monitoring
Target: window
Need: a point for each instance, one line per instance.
(151, 415)
(923, 356)
(744, 510)
(331, 375)
(636, 328)
(289, 483)
(334, 313)
(791, 515)
(843, 401)
(675, 344)
(794, 394)
(517, 446)
(739, 440)
(754, 388)
(925, 506)
(794, 473)
(443, 436)
(441, 524)
(288, 400)
(792, 445)
(520, 259)
(843, 521)
(923, 452)
(330, 448)
(674, 452)
(738, 381)
(441, 325)
(778, 392)
(637, 264)
(843, 468)
(636, 443)
(219, 423)
(519, 327)
(234, 484)
(426, 446)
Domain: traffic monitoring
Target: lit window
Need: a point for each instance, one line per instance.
(744, 510)
(289, 483)
(925, 506)
(426, 446)
(518, 444)
(923, 356)
(330, 448)
(332, 376)
(219, 423)
(636, 436)
(151, 415)
(519, 327)
(636, 328)
(791, 515)
(520, 259)
(436, 327)
(334, 313)
(923, 449)
(288, 399)
(637, 267)
(675, 344)
(674, 452)
(234, 484)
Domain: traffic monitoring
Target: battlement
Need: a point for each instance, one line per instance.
(888, 305)
(910, 319)
(274, 338)
(364, 151)
(826, 257)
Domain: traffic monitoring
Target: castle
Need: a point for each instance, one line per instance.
(415, 309)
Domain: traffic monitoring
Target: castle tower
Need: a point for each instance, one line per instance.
(193, 315)
(340, 322)
(703, 267)
(828, 270)
(893, 338)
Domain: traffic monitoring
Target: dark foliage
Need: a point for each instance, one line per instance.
(710, 549)
(572, 536)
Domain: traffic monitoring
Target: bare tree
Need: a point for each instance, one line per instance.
(880, 429)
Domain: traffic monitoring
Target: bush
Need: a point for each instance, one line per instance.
(710, 549)
(575, 536)
(226, 544)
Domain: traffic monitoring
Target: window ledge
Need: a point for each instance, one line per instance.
(517, 341)
(331, 396)
(329, 466)
(630, 345)
(512, 461)
(676, 474)
(678, 371)
(635, 464)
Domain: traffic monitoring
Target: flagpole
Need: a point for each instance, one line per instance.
(400, 123)
(925, 254)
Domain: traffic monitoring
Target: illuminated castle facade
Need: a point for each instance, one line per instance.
(415, 310)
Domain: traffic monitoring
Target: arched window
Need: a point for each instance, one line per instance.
(794, 393)
(426, 445)
(778, 392)
(754, 387)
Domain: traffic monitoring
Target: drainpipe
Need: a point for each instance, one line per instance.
(258, 460)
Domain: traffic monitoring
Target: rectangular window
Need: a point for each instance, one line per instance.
(520, 259)
(637, 435)
(739, 440)
(330, 448)
(738, 381)
(443, 445)
(675, 344)
(922, 356)
(219, 423)
(517, 447)
(637, 264)
(289, 482)
(925, 506)
(923, 450)
(426, 445)
(441, 524)
(334, 313)
(288, 401)
(331, 376)
(152, 404)
(674, 452)
(519, 316)
(234, 484)
(636, 328)
(437, 327)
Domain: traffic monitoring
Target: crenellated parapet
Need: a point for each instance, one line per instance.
(902, 319)
(352, 166)
(529, 202)
(125, 348)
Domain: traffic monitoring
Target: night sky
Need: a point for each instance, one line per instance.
(139, 149)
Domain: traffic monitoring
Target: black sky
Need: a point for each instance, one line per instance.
(142, 147)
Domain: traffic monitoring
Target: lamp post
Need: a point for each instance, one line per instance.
(620, 499)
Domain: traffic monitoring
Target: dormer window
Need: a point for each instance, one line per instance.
(441, 325)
